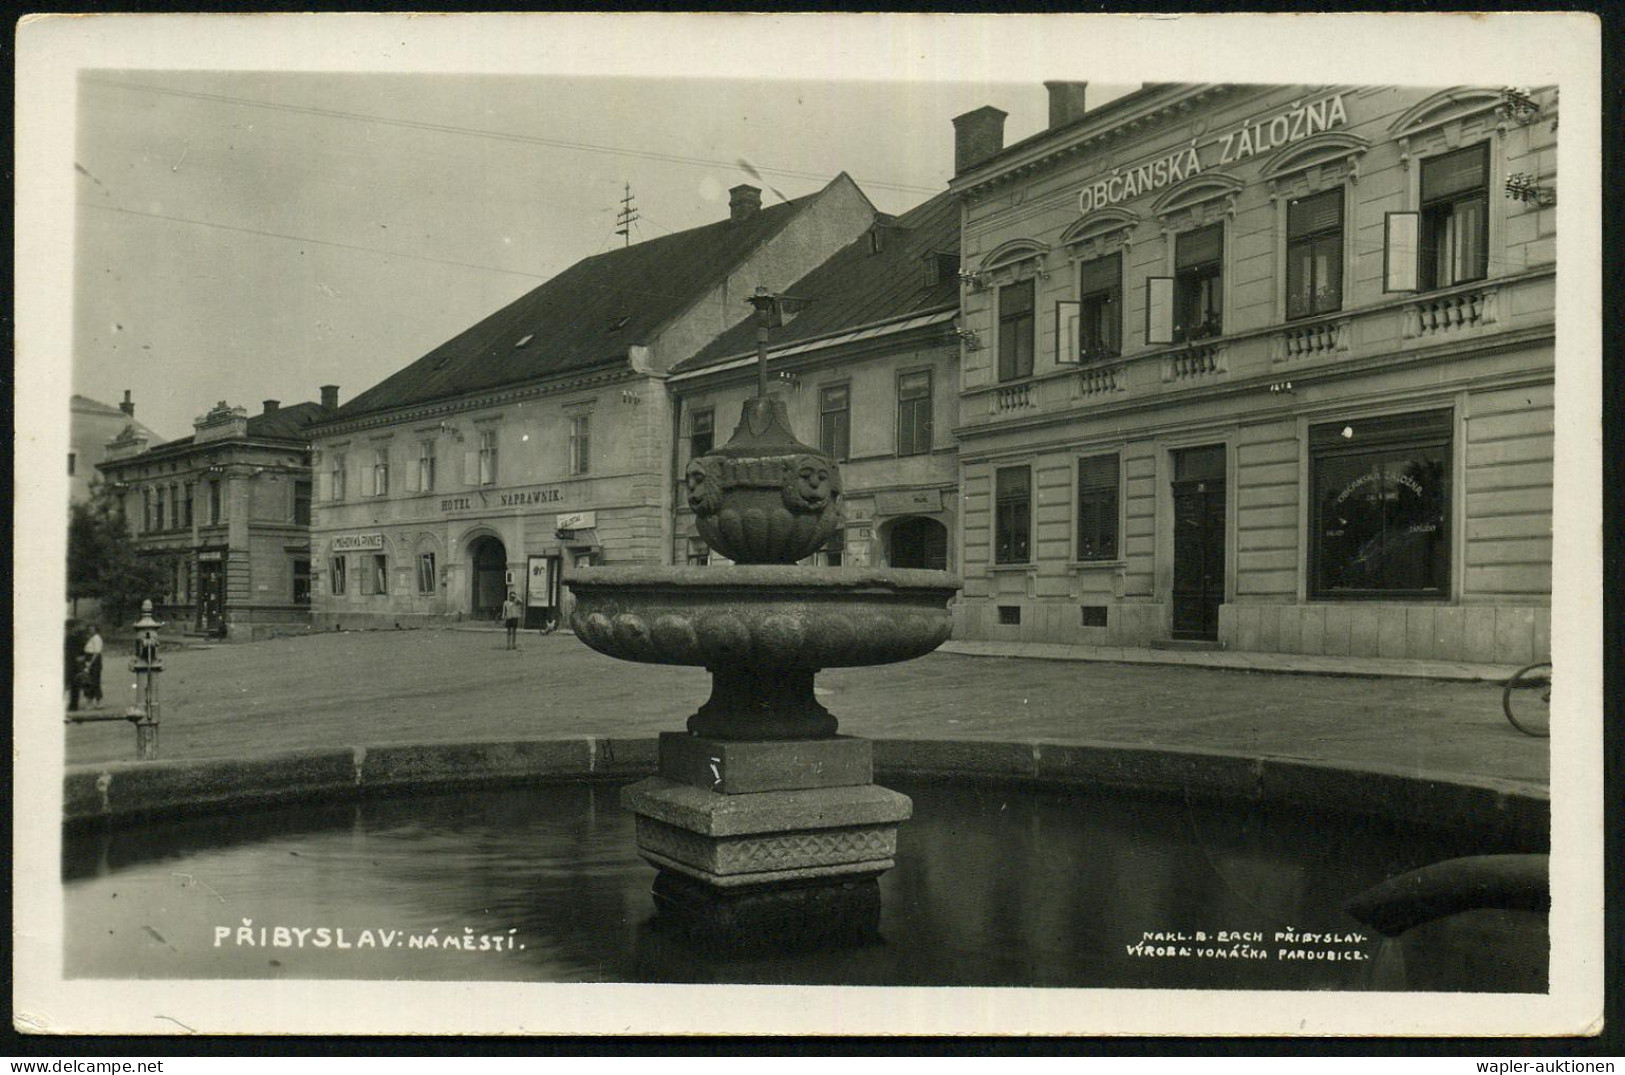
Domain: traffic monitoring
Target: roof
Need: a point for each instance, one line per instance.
(586, 316)
(857, 286)
(86, 407)
(284, 423)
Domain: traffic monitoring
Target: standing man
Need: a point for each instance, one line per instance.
(74, 654)
(93, 667)
(510, 619)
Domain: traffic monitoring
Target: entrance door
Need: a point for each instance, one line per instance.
(919, 542)
(211, 596)
(1199, 525)
(489, 578)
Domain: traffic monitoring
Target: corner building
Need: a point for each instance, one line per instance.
(540, 439)
(1267, 367)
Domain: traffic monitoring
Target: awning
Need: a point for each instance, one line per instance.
(579, 539)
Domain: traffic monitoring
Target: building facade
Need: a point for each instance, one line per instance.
(227, 511)
(868, 367)
(540, 440)
(1268, 367)
(92, 426)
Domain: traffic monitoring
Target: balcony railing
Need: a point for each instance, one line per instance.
(1300, 342)
(1098, 380)
(1438, 316)
(1194, 361)
(1013, 397)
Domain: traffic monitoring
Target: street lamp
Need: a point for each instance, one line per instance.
(146, 665)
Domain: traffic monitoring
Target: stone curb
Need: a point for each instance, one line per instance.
(1238, 661)
(122, 792)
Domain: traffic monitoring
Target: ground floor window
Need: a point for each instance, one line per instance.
(1381, 501)
(1097, 507)
(301, 582)
(699, 553)
(1012, 514)
(335, 576)
(380, 573)
(426, 573)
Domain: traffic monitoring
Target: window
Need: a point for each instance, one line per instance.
(187, 520)
(1314, 254)
(1455, 217)
(335, 576)
(1381, 503)
(914, 413)
(1092, 615)
(701, 432)
(380, 472)
(580, 443)
(337, 475)
(158, 509)
(1012, 515)
(1199, 283)
(146, 510)
(1100, 318)
(1097, 507)
(1016, 331)
(301, 582)
(426, 573)
(488, 457)
(833, 553)
(214, 503)
(426, 466)
(699, 553)
(301, 503)
(1009, 615)
(835, 421)
(380, 573)
(174, 506)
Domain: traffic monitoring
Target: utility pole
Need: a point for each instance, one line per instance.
(626, 217)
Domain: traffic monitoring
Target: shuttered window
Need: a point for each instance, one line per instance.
(1455, 217)
(914, 412)
(1314, 254)
(1100, 317)
(702, 425)
(1199, 283)
(1013, 509)
(835, 421)
(1097, 507)
(1016, 331)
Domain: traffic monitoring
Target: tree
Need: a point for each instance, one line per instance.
(103, 562)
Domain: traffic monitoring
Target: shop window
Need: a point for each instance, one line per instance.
(380, 573)
(425, 466)
(301, 503)
(1455, 217)
(336, 475)
(1092, 615)
(1013, 504)
(336, 576)
(301, 582)
(1016, 331)
(487, 472)
(914, 413)
(1381, 501)
(426, 573)
(1009, 615)
(1314, 254)
(835, 421)
(1097, 507)
(1100, 319)
(380, 472)
(699, 553)
(580, 443)
(1199, 283)
(701, 432)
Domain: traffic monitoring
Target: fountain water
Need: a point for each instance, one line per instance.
(764, 824)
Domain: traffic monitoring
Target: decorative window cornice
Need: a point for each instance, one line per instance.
(1324, 148)
(1205, 187)
(1014, 252)
(1458, 102)
(1099, 224)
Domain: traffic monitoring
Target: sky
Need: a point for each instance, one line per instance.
(254, 235)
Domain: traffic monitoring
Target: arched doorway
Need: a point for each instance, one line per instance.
(489, 577)
(918, 542)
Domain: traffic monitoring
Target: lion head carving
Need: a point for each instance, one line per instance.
(811, 484)
(704, 488)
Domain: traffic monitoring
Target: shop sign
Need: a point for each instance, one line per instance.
(358, 542)
(576, 520)
(1250, 139)
(212, 556)
(539, 582)
(456, 503)
(908, 502)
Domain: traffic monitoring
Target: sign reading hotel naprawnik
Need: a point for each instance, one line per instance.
(1250, 139)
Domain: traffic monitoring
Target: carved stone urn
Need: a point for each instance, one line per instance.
(765, 825)
(764, 497)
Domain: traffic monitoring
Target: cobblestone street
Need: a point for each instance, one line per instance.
(445, 685)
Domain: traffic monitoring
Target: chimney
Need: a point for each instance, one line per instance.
(271, 406)
(330, 396)
(1065, 102)
(978, 135)
(127, 406)
(744, 202)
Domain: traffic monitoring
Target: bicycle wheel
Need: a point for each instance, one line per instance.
(1527, 699)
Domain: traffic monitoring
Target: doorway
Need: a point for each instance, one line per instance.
(1199, 525)
(919, 542)
(489, 578)
(211, 594)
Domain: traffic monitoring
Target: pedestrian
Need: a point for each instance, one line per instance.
(510, 619)
(72, 660)
(93, 667)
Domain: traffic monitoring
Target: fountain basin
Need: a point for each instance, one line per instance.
(778, 616)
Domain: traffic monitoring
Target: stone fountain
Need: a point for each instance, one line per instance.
(765, 825)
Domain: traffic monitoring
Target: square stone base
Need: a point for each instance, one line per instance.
(771, 918)
(734, 767)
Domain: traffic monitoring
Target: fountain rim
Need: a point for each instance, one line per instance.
(765, 579)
